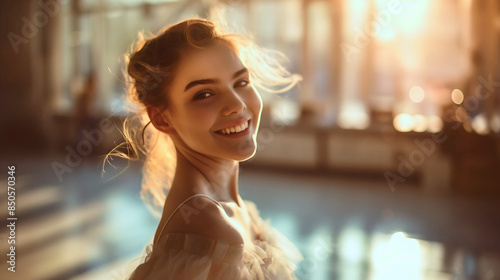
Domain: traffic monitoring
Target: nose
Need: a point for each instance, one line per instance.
(233, 103)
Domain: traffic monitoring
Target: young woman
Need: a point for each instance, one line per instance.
(195, 85)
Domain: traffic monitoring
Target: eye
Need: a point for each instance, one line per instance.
(202, 95)
(241, 83)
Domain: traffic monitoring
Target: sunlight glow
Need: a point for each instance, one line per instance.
(351, 244)
(411, 23)
(399, 257)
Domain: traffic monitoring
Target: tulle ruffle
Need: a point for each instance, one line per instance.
(191, 256)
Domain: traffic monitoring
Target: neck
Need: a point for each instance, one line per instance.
(200, 174)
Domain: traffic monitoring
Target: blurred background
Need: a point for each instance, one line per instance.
(384, 163)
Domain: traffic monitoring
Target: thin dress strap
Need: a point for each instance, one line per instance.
(182, 204)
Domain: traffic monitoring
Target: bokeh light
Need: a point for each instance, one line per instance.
(468, 126)
(351, 245)
(404, 123)
(435, 124)
(382, 96)
(495, 123)
(460, 114)
(417, 94)
(354, 116)
(457, 96)
(285, 111)
(421, 123)
(397, 257)
(480, 125)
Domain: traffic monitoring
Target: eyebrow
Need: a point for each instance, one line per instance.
(213, 81)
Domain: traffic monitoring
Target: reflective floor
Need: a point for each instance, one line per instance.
(85, 226)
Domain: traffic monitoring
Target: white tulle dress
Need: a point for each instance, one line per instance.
(182, 256)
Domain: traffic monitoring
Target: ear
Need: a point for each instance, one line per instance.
(158, 119)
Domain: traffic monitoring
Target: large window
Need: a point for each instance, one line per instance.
(363, 62)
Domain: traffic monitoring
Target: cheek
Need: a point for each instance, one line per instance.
(254, 102)
(196, 120)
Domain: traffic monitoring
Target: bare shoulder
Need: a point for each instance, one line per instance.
(203, 216)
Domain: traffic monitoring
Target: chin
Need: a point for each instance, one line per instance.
(245, 157)
(246, 151)
(248, 158)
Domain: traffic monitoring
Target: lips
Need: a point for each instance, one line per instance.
(235, 126)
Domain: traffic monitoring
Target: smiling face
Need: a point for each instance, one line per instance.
(210, 96)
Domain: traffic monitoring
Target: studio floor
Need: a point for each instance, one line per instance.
(84, 226)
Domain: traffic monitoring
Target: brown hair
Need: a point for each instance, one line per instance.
(151, 68)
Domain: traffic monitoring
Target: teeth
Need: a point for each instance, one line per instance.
(233, 129)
